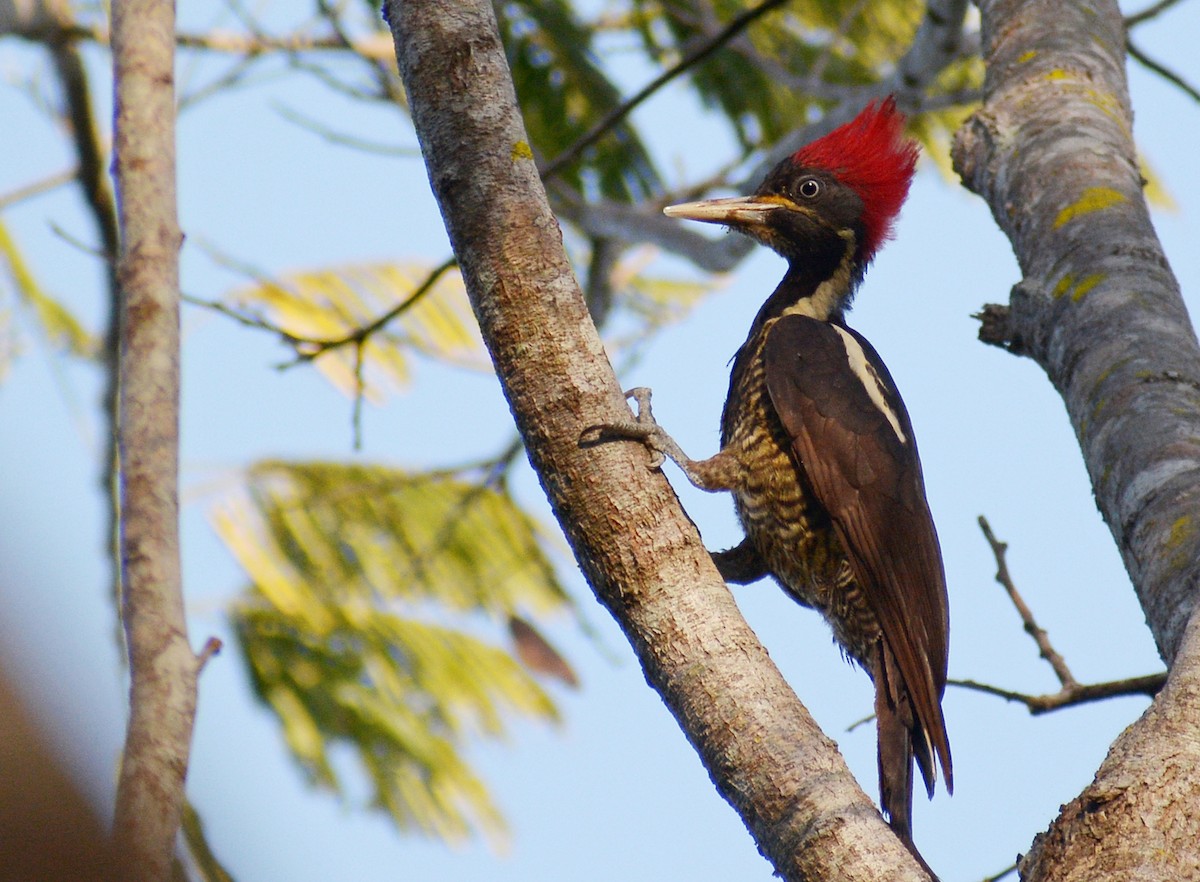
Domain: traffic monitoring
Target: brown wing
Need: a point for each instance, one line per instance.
(852, 436)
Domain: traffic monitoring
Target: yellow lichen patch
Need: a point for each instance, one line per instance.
(1027, 55)
(1085, 285)
(1078, 290)
(1058, 74)
(1093, 199)
(1110, 106)
(1181, 531)
(1063, 286)
(521, 150)
(1179, 541)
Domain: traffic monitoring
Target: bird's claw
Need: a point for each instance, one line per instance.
(642, 428)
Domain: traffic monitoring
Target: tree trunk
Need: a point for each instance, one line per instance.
(162, 666)
(1052, 152)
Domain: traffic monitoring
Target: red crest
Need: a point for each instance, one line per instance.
(870, 155)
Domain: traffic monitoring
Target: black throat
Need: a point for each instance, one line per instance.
(827, 279)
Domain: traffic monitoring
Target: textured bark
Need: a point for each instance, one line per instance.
(162, 666)
(638, 550)
(1098, 308)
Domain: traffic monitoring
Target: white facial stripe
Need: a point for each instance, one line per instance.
(870, 380)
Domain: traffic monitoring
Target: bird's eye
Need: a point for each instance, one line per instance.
(809, 188)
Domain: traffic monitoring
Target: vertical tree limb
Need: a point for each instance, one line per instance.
(638, 550)
(1098, 308)
(163, 668)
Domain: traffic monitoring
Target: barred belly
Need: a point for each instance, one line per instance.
(783, 520)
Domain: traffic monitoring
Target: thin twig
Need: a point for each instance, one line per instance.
(1072, 691)
(360, 391)
(310, 348)
(1039, 635)
(615, 116)
(1069, 696)
(374, 46)
(335, 137)
(1165, 72)
(317, 347)
(1007, 871)
(212, 647)
(243, 318)
(817, 72)
(1148, 13)
(37, 188)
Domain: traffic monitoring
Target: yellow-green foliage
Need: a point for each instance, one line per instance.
(59, 325)
(376, 604)
(331, 304)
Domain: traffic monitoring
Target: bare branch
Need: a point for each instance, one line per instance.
(1069, 696)
(1008, 871)
(1162, 70)
(373, 46)
(1072, 691)
(1039, 635)
(92, 176)
(322, 130)
(1150, 12)
(312, 348)
(37, 188)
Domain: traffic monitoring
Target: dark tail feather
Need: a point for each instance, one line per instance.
(895, 752)
(895, 723)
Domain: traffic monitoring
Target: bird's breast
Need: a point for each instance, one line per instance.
(783, 519)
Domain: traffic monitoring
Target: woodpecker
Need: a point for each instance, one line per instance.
(817, 447)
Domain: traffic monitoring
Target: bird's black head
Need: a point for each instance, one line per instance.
(830, 206)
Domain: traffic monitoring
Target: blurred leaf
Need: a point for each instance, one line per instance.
(564, 92)
(332, 304)
(365, 580)
(536, 653)
(61, 328)
(1156, 190)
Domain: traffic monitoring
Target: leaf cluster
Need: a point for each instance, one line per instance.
(371, 620)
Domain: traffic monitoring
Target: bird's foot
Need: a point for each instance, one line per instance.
(642, 428)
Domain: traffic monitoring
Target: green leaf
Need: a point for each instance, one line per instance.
(377, 599)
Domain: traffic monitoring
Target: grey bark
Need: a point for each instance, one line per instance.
(163, 668)
(1098, 308)
(638, 550)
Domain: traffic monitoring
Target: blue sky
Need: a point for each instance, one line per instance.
(615, 792)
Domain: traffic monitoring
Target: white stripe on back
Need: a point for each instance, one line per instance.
(870, 380)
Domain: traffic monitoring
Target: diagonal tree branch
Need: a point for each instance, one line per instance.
(1039, 635)
(639, 552)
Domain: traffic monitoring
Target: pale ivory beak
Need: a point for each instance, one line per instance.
(733, 210)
